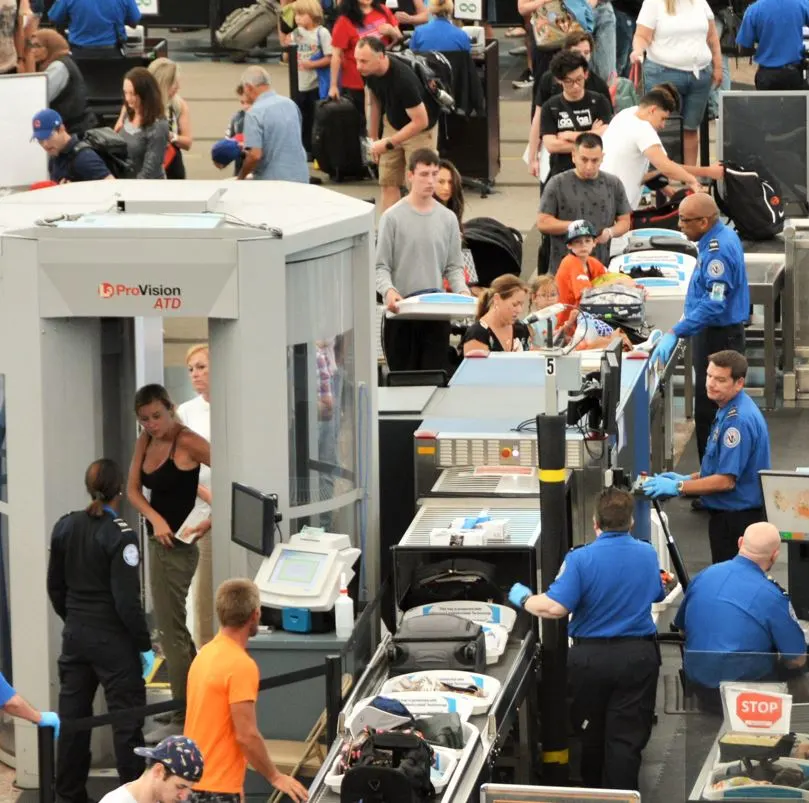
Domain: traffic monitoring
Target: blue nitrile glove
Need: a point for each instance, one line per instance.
(147, 662)
(660, 487)
(49, 719)
(518, 594)
(664, 349)
(673, 475)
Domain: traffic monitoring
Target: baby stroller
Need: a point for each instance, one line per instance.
(496, 248)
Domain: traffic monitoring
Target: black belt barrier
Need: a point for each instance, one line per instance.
(331, 669)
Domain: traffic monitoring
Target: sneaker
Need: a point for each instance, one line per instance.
(525, 81)
(518, 51)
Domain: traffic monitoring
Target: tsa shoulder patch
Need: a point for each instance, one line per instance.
(716, 268)
(131, 555)
(713, 245)
(732, 437)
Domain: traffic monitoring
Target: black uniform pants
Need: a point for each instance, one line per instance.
(725, 527)
(780, 78)
(707, 342)
(416, 345)
(89, 657)
(614, 684)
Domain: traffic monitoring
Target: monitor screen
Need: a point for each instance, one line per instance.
(786, 503)
(252, 519)
(300, 569)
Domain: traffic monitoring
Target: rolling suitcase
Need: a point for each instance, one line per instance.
(437, 641)
(637, 242)
(246, 28)
(337, 140)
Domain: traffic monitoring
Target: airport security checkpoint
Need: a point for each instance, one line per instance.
(405, 561)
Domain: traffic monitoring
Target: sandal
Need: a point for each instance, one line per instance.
(516, 32)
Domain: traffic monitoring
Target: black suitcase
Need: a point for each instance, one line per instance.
(450, 580)
(336, 140)
(657, 242)
(437, 641)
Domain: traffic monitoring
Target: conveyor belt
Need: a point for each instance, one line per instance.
(516, 673)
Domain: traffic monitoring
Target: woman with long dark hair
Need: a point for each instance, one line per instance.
(357, 19)
(144, 127)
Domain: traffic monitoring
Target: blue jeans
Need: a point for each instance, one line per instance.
(624, 33)
(603, 62)
(713, 101)
(693, 91)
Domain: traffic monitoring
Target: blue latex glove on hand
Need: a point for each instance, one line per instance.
(518, 594)
(673, 475)
(147, 662)
(660, 487)
(664, 349)
(49, 719)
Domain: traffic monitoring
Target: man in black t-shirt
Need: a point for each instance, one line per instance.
(575, 110)
(402, 119)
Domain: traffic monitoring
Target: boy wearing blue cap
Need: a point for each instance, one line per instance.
(68, 159)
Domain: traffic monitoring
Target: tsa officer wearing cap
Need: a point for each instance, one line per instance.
(717, 304)
(172, 767)
(738, 448)
(608, 588)
(94, 587)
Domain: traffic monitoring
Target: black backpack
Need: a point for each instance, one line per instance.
(753, 203)
(391, 768)
(434, 72)
(112, 149)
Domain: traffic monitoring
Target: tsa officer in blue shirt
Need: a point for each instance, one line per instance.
(439, 33)
(95, 27)
(608, 588)
(738, 448)
(737, 621)
(775, 29)
(717, 303)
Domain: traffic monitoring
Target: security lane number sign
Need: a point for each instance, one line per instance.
(756, 710)
(469, 10)
(149, 8)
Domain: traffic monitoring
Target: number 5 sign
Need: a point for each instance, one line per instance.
(470, 10)
(148, 8)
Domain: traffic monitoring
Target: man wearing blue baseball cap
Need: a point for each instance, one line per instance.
(68, 159)
(172, 767)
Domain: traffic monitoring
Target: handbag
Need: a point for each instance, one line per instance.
(552, 23)
(730, 28)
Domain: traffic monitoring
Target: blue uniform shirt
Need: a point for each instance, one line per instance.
(776, 26)
(718, 294)
(739, 445)
(6, 691)
(609, 587)
(439, 34)
(95, 23)
(732, 608)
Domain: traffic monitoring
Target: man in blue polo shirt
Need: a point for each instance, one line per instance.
(775, 29)
(68, 159)
(608, 586)
(737, 621)
(96, 26)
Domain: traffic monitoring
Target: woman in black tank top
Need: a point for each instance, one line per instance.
(166, 461)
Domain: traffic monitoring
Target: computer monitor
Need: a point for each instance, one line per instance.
(611, 386)
(299, 571)
(786, 503)
(252, 519)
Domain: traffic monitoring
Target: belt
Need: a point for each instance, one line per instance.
(717, 510)
(795, 65)
(613, 640)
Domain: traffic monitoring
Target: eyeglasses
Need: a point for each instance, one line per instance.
(574, 81)
(691, 219)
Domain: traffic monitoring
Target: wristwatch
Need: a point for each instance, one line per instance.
(681, 488)
(389, 146)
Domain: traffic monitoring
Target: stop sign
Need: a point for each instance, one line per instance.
(758, 710)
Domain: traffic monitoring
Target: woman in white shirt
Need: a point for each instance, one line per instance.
(682, 48)
(196, 415)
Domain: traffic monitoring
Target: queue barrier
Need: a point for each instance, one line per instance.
(331, 669)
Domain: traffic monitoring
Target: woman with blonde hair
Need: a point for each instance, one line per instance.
(440, 33)
(498, 327)
(67, 93)
(167, 74)
(681, 44)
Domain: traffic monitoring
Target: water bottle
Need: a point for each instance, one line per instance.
(343, 612)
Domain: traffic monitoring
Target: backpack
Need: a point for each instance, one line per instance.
(389, 767)
(753, 203)
(622, 94)
(112, 149)
(434, 71)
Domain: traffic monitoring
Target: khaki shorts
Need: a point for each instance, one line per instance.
(392, 164)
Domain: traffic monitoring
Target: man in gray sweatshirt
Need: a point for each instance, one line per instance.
(418, 246)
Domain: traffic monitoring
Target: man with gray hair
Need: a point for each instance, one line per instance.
(272, 132)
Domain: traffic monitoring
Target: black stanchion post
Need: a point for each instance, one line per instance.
(705, 141)
(292, 68)
(46, 760)
(553, 548)
(334, 695)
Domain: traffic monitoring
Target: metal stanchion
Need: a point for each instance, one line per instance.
(334, 695)
(705, 141)
(46, 759)
(553, 548)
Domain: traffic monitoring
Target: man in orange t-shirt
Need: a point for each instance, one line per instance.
(578, 269)
(221, 703)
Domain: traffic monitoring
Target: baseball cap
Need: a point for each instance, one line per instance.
(580, 228)
(178, 754)
(45, 123)
(225, 151)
